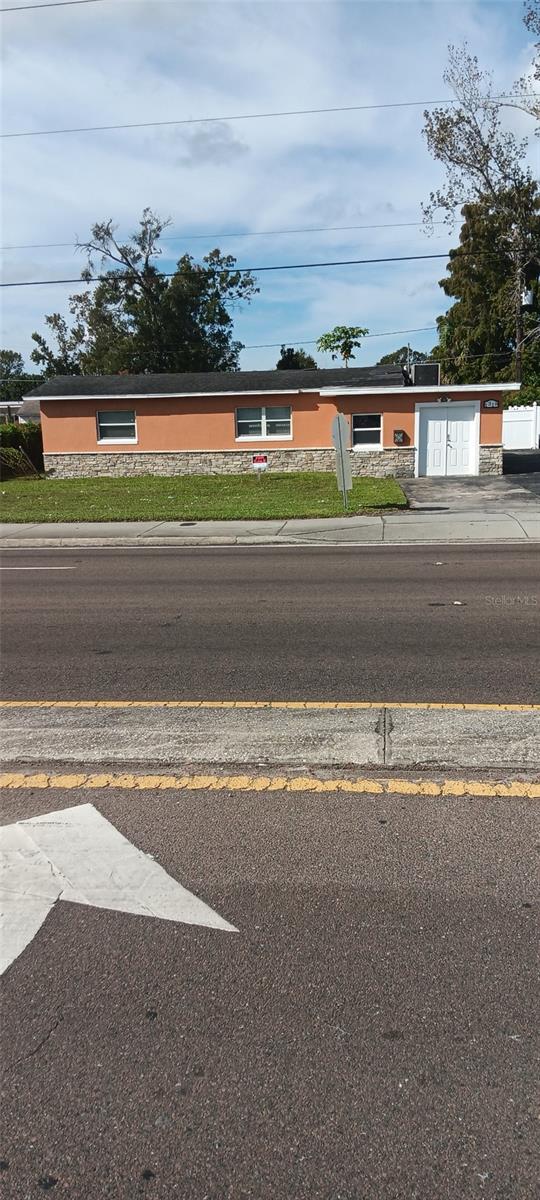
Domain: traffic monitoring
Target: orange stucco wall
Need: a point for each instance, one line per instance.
(399, 413)
(208, 423)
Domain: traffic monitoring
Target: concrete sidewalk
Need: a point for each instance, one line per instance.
(406, 528)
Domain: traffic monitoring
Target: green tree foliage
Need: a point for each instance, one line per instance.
(530, 388)
(482, 158)
(67, 357)
(294, 360)
(14, 380)
(477, 336)
(402, 356)
(11, 364)
(342, 341)
(486, 176)
(15, 464)
(138, 320)
(531, 18)
(26, 438)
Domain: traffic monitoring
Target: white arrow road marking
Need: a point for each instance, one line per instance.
(77, 855)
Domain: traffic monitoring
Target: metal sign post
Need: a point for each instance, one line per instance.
(340, 438)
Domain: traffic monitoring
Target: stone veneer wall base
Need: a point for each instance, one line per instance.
(491, 460)
(394, 461)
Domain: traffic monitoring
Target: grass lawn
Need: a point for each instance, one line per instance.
(192, 498)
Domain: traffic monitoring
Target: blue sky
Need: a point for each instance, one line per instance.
(143, 60)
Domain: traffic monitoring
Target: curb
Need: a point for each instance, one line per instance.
(245, 540)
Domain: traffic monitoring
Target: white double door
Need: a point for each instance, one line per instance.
(448, 440)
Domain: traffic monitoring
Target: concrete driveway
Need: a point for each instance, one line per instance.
(521, 462)
(475, 493)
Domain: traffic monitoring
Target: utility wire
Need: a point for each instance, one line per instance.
(268, 346)
(295, 112)
(313, 341)
(443, 358)
(345, 262)
(53, 4)
(201, 237)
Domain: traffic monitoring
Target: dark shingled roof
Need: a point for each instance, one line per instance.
(30, 410)
(214, 382)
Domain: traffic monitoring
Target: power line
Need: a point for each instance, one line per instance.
(345, 262)
(443, 358)
(306, 342)
(313, 341)
(195, 237)
(295, 112)
(267, 346)
(53, 4)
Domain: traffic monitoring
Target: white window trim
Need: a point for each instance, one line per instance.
(116, 441)
(264, 436)
(367, 445)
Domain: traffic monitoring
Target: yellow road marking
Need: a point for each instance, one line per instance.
(513, 789)
(451, 706)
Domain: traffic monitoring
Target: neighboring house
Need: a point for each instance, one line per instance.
(214, 423)
(10, 412)
(29, 412)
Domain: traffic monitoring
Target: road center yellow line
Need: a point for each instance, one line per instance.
(451, 706)
(512, 789)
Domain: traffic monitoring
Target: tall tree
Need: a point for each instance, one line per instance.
(481, 158)
(139, 320)
(477, 336)
(67, 357)
(531, 18)
(342, 341)
(14, 381)
(403, 356)
(486, 164)
(294, 360)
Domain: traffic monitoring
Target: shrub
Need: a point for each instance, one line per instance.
(26, 438)
(15, 462)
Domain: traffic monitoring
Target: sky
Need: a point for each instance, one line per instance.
(122, 61)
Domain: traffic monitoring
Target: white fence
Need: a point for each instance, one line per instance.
(521, 427)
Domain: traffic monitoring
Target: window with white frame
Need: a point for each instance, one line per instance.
(273, 421)
(366, 430)
(116, 426)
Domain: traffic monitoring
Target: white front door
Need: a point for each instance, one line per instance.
(447, 440)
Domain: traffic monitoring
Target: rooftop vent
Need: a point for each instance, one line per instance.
(426, 374)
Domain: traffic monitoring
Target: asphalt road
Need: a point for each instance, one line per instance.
(369, 1033)
(246, 623)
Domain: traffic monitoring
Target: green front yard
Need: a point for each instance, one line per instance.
(192, 498)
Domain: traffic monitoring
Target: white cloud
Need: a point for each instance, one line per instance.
(153, 60)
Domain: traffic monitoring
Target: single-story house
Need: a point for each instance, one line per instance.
(10, 411)
(214, 423)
